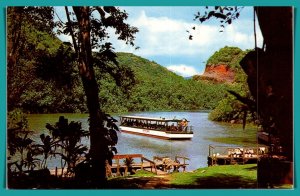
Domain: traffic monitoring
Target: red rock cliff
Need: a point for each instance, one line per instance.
(218, 73)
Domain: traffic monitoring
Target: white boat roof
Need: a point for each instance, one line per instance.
(150, 118)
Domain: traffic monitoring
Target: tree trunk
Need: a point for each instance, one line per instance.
(14, 43)
(276, 71)
(98, 148)
(270, 80)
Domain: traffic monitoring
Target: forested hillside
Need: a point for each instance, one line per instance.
(157, 88)
(154, 89)
(44, 79)
(224, 66)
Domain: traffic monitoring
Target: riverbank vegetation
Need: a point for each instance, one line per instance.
(28, 156)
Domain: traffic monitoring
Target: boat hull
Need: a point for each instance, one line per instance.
(156, 134)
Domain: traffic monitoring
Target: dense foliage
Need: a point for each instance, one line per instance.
(28, 38)
(53, 85)
(230, 56)
(230, 109)
(41, 72)
(156, 88)
(27, 160)
(153, 87)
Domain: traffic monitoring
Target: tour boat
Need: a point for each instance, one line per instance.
(170, 129)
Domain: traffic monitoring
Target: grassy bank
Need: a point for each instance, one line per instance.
(215, 177)
(224, 176)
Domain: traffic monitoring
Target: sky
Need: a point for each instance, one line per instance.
(164, 32)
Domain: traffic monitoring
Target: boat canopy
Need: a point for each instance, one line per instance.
(151, 119)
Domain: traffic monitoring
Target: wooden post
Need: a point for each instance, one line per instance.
(126, 170)
(118, 167)
(142, 163)
(62, 172)
(243, 155)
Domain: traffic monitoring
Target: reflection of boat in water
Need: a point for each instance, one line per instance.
(162, 128)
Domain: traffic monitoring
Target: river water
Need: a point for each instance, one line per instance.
(195, 149)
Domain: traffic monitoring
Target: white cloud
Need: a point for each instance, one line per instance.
(161, 36)
(183, 70)
(164, 36)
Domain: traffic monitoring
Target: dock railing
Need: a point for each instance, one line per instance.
(234, 154)
(143, 164)
(165, 163)
(152, 164)
(182, 161)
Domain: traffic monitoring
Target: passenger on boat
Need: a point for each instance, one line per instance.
(184, 125)
(173, 128)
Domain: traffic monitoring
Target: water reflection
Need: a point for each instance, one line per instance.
(195, 149)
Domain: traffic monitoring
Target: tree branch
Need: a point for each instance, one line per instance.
(69, 24)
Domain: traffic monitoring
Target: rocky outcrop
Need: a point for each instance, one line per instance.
(220, 73)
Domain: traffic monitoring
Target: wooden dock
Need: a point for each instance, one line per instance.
(166, 164)
(124, 164)
(224, 155)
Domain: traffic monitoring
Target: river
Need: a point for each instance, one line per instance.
(206, 133)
